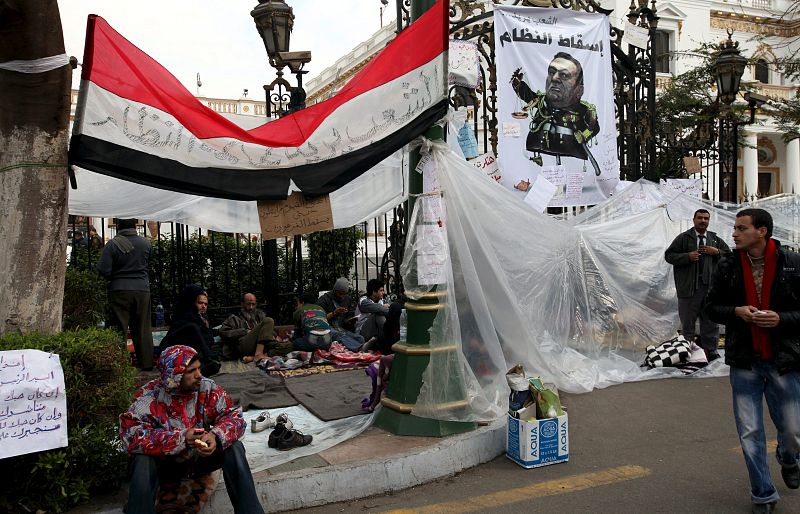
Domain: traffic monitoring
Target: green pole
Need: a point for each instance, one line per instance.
(411, 357)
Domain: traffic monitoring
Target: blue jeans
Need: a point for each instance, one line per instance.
(147, 472)
(782, 392)
(350, 340)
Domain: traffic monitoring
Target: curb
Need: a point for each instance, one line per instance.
(320, 486)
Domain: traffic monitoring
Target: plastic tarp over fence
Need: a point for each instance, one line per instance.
(576, 304)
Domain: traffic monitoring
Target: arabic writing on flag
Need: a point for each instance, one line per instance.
(136, 122)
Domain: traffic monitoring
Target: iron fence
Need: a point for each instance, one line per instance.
(227, 265)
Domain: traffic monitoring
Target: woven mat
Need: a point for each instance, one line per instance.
(319, 369)
(332, 396)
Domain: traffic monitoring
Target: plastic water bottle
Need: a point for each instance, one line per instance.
(403, 326)
(159, 315)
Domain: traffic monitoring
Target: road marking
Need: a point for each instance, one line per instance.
(550, 488)
(772, 444)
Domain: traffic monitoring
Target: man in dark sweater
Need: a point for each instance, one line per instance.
(124, 263)
(756, 293)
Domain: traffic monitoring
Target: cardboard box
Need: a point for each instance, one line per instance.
(538, 442)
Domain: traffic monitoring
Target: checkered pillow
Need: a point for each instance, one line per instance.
(668, 353)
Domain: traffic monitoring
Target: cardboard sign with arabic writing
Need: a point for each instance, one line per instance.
(295, 215)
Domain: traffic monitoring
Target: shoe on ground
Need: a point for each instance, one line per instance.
(292, 439)
(283, 419)
(262, 422)
(275, 435)
(763, 508)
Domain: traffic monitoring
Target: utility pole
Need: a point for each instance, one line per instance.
(411, 358)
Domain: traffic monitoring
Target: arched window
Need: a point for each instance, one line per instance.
(762, 71)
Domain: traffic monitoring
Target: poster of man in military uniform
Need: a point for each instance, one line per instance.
(550, 123)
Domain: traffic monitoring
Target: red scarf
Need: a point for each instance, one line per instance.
(761, 343)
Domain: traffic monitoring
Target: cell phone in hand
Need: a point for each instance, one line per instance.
(199, 430)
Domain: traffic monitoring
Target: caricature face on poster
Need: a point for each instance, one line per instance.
(556, 103)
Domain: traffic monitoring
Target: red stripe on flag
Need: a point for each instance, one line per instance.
(117, 65)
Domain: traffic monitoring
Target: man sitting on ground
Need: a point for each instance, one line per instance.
(183, 423)
(338, 305)
(372, 313)
(250, 333)
(190, 327)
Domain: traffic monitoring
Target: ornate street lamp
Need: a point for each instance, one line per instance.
(274, 21)
(729, 67)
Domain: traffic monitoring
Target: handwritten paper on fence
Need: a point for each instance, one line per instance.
(295, 215)
(33, 402)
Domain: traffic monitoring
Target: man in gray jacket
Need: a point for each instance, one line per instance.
(124, 263)
(694, 254)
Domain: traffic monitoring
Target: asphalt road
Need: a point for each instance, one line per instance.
(647, 447)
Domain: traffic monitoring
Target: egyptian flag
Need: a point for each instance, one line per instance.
(135, 121)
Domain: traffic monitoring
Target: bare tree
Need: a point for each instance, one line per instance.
(34, 127)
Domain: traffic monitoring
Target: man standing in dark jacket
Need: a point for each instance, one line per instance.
(124, 263)
(756, 293)
(693, 255)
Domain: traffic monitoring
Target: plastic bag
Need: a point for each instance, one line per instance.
(548, 404)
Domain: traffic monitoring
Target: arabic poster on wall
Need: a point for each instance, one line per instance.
(33, 402)
(556, 103)
(294, 216)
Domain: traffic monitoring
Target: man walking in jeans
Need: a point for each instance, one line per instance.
(756, 293)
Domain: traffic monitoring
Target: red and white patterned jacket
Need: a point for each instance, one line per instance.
(157, 422)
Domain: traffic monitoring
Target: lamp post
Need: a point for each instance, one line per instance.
(728, 67)
(274, 21)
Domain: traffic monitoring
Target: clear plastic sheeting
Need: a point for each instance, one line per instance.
(375, 192)
(574, 304)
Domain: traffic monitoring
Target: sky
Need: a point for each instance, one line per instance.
(218, 38)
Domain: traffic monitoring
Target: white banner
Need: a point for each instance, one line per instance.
(33, 402)
(556, 103)
(688, 186)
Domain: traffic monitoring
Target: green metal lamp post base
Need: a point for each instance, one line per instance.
(408, 424)
(411, 358)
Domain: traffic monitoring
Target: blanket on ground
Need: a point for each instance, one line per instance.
(254, 389)
(333, 395)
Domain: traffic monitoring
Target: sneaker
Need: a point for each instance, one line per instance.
(262, 422)
(278, 433)
(790, 474)
(292, 439)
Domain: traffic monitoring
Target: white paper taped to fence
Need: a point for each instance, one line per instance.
(33, 402)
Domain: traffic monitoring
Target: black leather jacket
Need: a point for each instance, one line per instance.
(727, 292)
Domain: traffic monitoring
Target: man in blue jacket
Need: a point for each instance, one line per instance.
(755, 292)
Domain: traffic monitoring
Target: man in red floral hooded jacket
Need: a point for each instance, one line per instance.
(183, 423)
